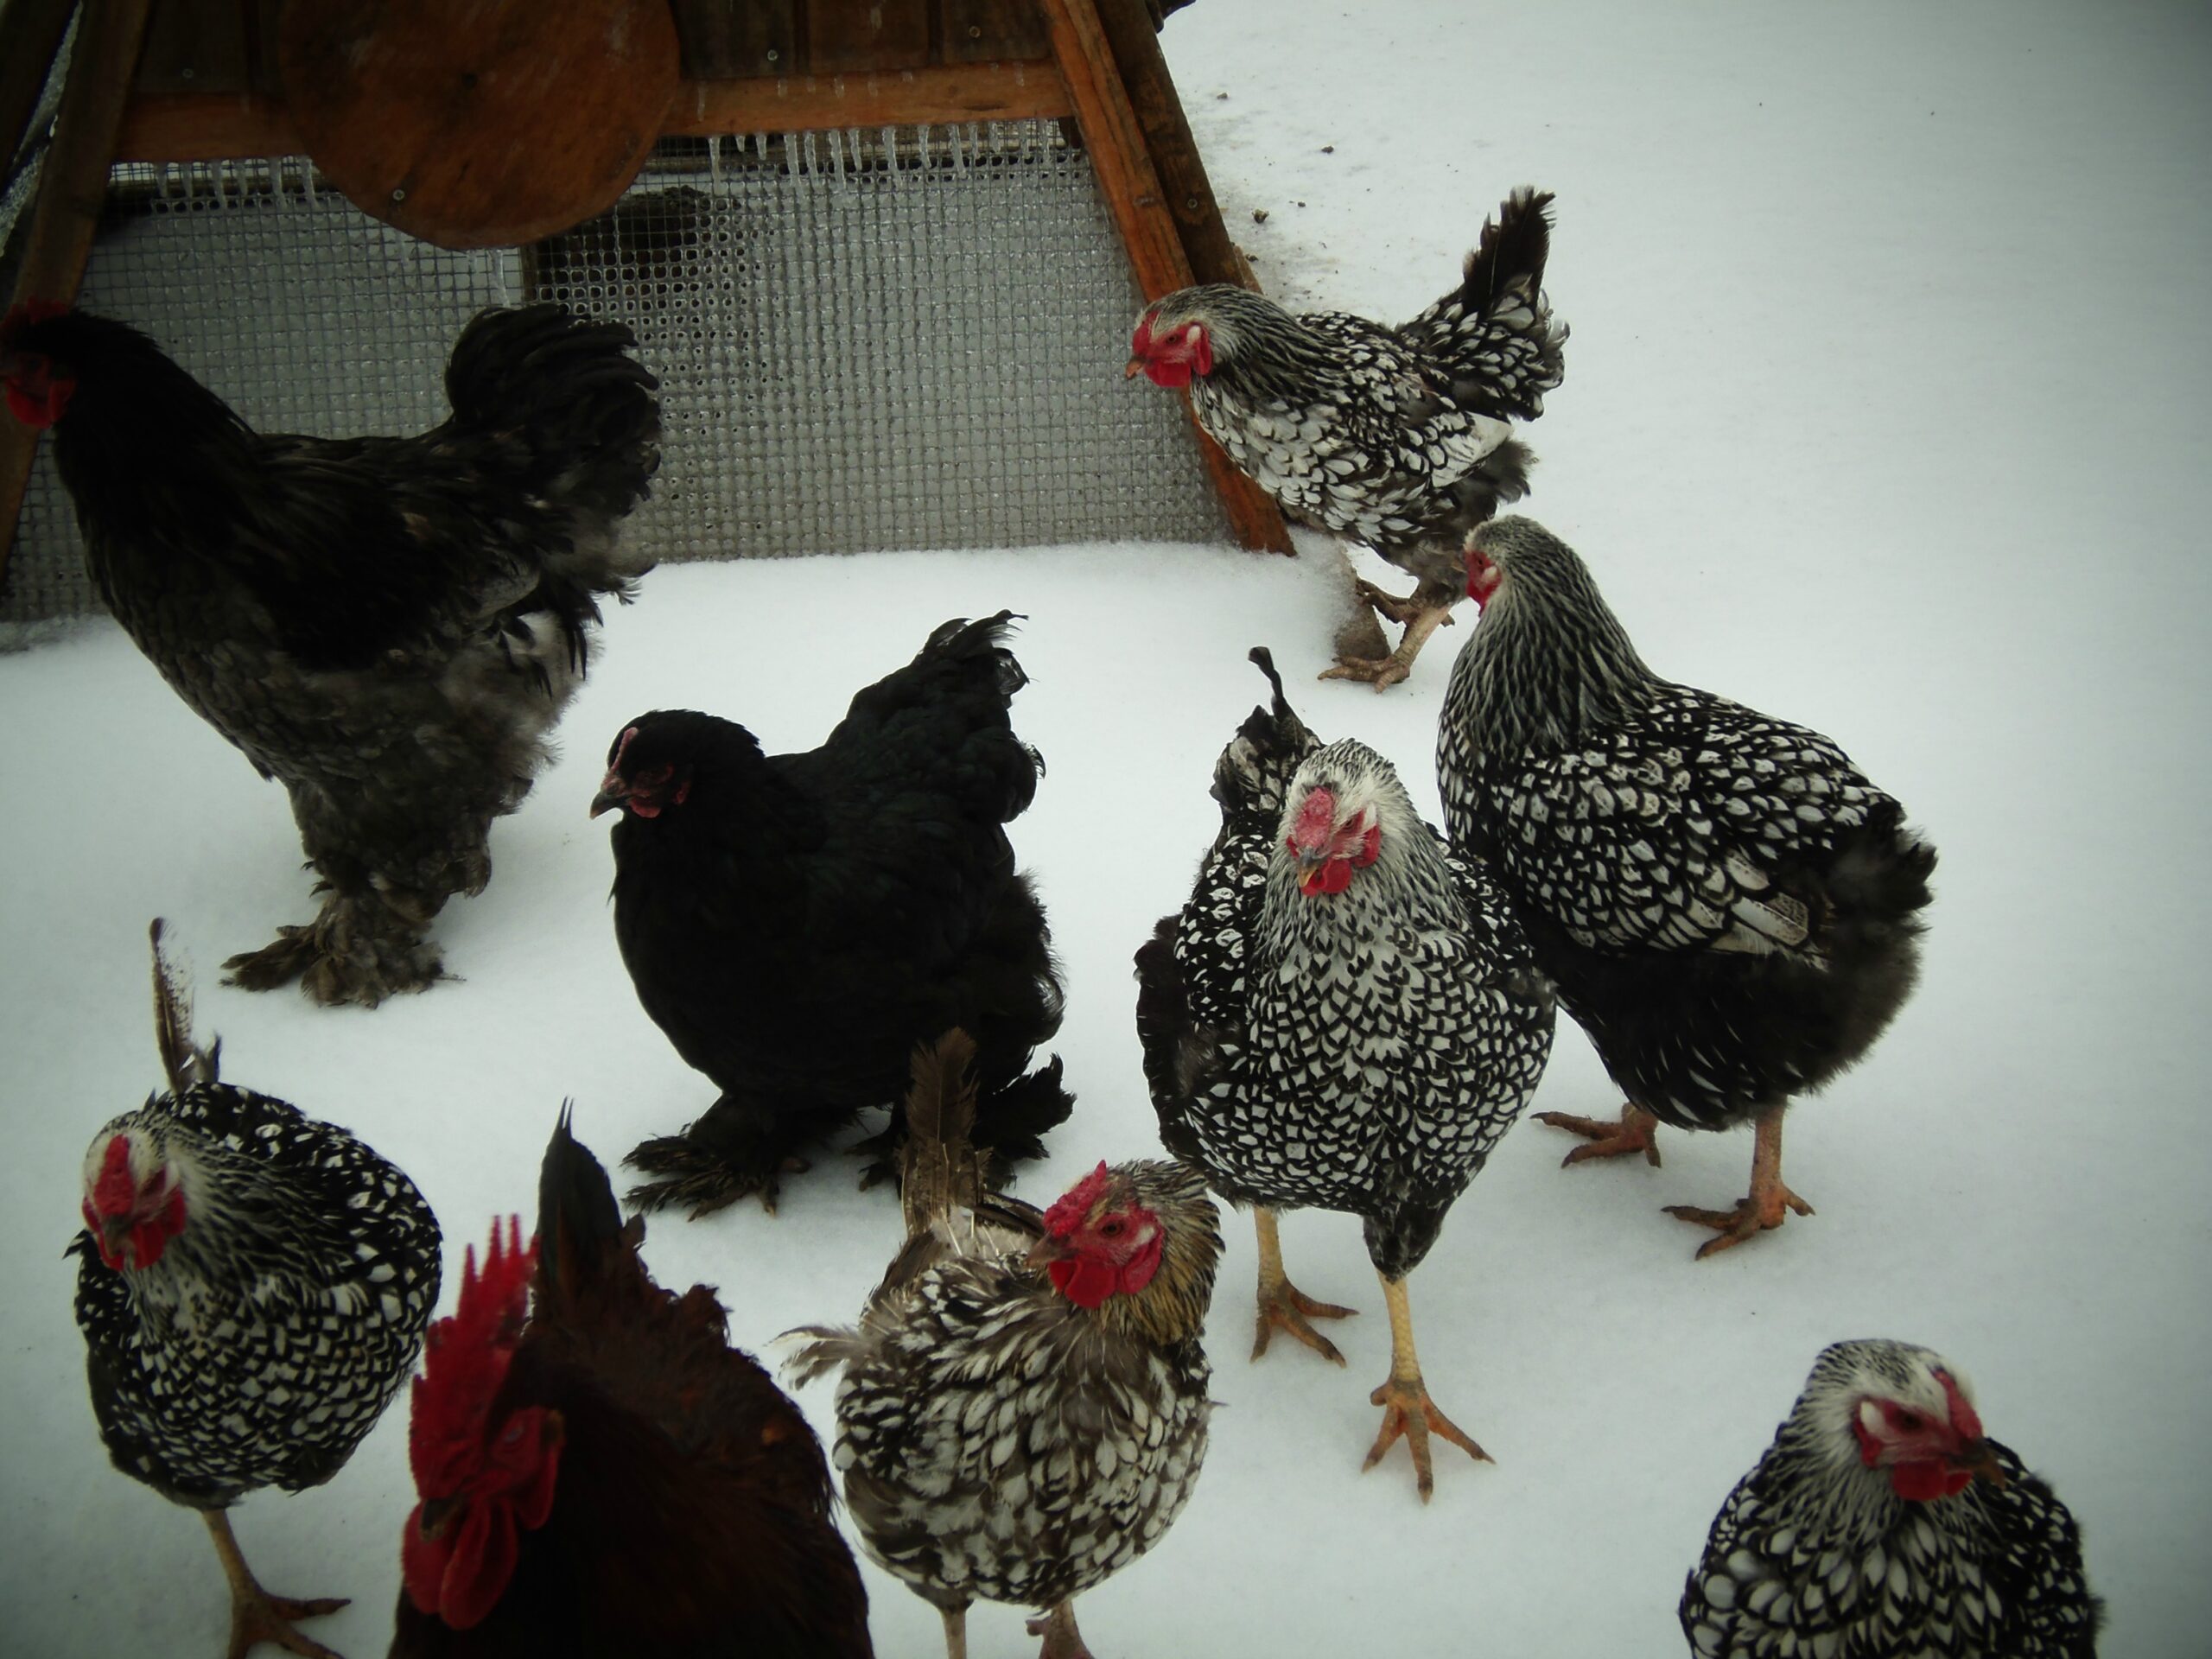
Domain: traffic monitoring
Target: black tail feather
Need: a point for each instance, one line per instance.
(1512, 256)
(580, 1229)
(1012, 1120)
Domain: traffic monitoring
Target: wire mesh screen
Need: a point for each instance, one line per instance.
(904, 339)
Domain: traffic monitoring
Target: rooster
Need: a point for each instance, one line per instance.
(601, 1473)
(1344, 1015)
(252, 1288)
(1726, 904)
(1012, 1434)
(388, 627)
(797, 923)
(1400, 438)
(1881, 1524)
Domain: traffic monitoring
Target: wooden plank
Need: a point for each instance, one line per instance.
(193, 46)
(973, 92)
(977, 30)
(864, 36)
(1123, 163)
(71, 191)
(728, 40)
(1214, 256)
(34, 31)
(235, 126)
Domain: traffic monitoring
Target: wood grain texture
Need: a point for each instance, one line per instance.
(977, 30)
(729, 40)
(71, 191)
(972, 91)
(195, 46)
(478, 124)
(873, 35)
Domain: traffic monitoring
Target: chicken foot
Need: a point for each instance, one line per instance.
(1283, 1306)
(1635, 1130)
(1767, 1205)
(1406, 1409)
(257, 1616)
(363, 947)
(1421, 613)
(1062, 1639)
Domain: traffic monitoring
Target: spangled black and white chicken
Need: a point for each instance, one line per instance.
(1882, 1523)
(1344, 1016)
(252, 1286)
(1023, 1408)
(1726, 903)
(1399, 438)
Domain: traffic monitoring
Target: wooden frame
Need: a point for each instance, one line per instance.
(1104, 71)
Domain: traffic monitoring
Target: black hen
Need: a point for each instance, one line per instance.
(796, 923)
(391, 627)
(1726, 903)
(1400, 438)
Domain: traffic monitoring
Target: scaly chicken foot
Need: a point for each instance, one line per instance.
(1408, 1412)
(1283, 1306)
(1423, 612)
(1767, 1205)
(1062, 1639)
(257, 1616)
(1634, 1130)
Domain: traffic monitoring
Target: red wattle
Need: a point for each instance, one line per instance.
(1161, 371)
(1920, 1482)
(1085, 1282)
(1333, 876)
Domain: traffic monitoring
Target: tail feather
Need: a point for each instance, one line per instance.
(939, 1170)
(1254, 773)
(581, 1234)
(1012, 1121)
(1495, 334)
(572, 389)
(182, 1058)
(963, 672)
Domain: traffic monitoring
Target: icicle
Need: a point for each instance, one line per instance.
(715, 160)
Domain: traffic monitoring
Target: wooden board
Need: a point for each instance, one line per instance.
(478, 124)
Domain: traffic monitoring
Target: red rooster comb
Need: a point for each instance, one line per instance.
(1073, 1206)
(465, 1359)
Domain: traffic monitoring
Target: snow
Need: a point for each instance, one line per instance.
(1884, 412)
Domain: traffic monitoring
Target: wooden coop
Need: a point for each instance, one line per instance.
(883, 256)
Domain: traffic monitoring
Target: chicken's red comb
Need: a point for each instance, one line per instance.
(1073, 1206)
(30, 311)
(465, 1359)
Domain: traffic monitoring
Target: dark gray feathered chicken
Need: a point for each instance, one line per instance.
(1881, 1524)
(1400, 438)
(388, 627)
(1345, 1016)
(1726, 903)
(252, 1286)
(1023, 1409)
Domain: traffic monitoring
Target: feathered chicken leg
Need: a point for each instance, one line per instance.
(1635, 1130)
(1406, 1408)
(363, 947)
(257, 1616)
(1283, 1306)
(1062, 1639)
(1768, 1202)
(1427, 608)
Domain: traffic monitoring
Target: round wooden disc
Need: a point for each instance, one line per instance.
(477, 124)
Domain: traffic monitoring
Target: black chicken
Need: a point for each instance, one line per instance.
(252, 1288)
(1881, 1524)
(1023, 1409)
(609, 1476)
(797, 923)
(1396, 437)
(1726, 904)
(1344, 1016)
(389, 626)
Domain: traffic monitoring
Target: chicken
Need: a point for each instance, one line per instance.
(1344, 1015)
(1008, 1434)
(1400, 438)
(252, 1286)
(1881, 1524)
(609, 1476)
(1726, 903)
(388, 627)
(797, 923)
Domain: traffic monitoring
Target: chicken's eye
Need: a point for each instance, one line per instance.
(1909, 1422)
(1113, 1227)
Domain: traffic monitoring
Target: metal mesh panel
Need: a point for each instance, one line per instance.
(905, 339)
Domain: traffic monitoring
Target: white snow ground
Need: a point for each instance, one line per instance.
(1885, 411)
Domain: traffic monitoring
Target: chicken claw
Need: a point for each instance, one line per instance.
(1283, 1306)
(1635, 1130)
(1409, 1411)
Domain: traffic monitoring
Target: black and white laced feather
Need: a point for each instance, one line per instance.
(1359, 1052)
(1813, 1557)
(267, 1339)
